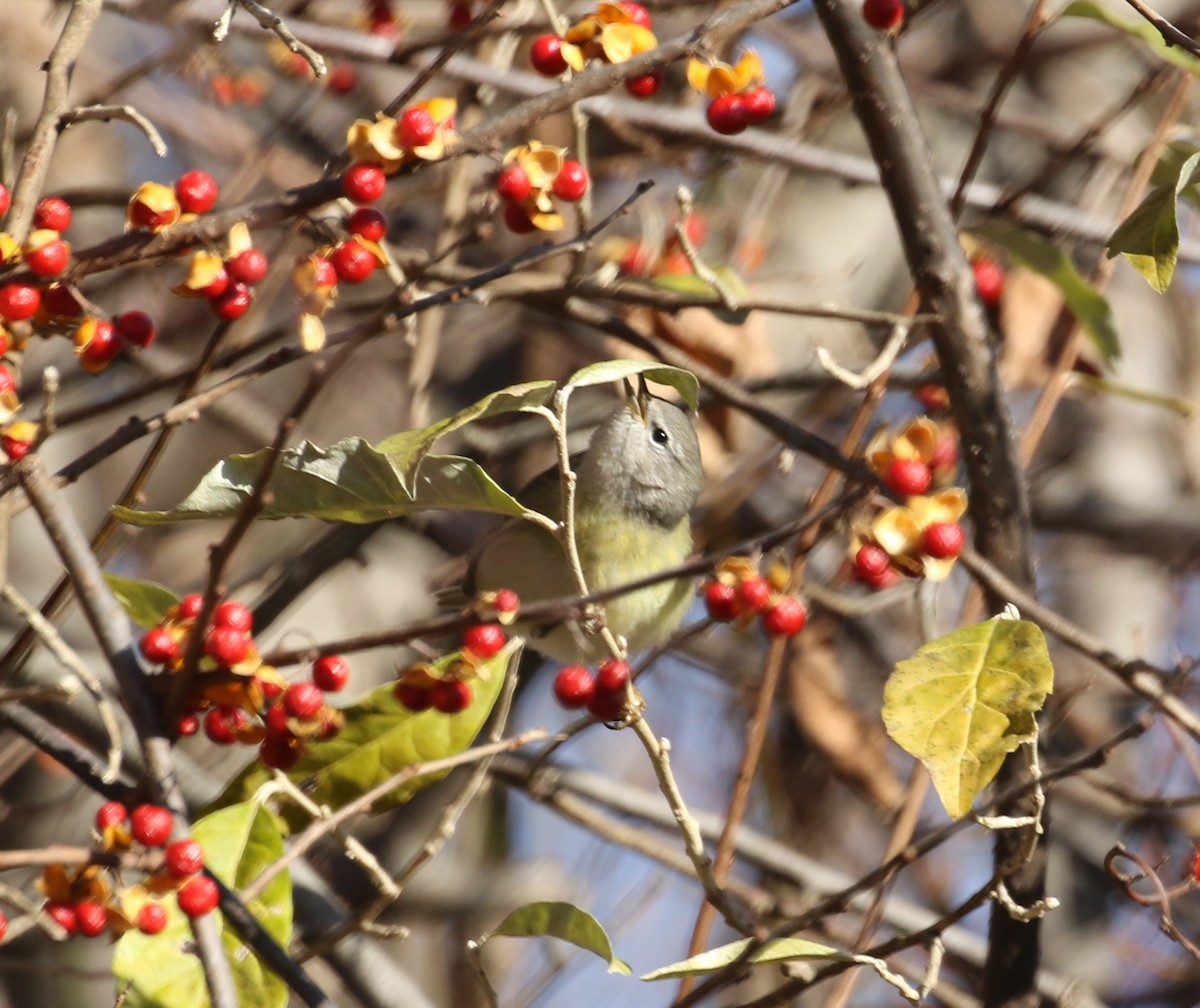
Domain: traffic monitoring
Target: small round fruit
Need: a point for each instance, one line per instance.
(932, 397)
(450, 696)
(199, 896)
(721, 601)
(571, 182)
(92, 918)
(19, 301)
(574, 686)
(908, 477)
(943, 540)
(754, 594)
(331, 673)
(152, 918)
(484, 641)
(460, 15)
(785, 618)
(727, 114)
(883, 15)
(249, 266)
(303, 701)
(49, 259)
(233, 303)
(324, 275)
(7, 382)
(506, 601)
(190, 606)
(760, 104)
(270, 688)
(607, 705)
(413, 697)
(368, 223)
(5, 199)
(546, 56)
(196, 191)
(158, 646)
(352, 261)
(363, 183)
(183, 858)
(221, 724)
(60, 301)
(612, 676)
(989, 279)
(872, 562)
(517, 220)
(3, 926)
(415, 127)
(135, 327)
(636, 13)
(52, 213)
(188, 725)
(343, 78)
(111, 813)
(233, 614)
(512, 184)
(645, 86)
(278, 753)
(227, 645)
(104, 345)
(151, 825)
(63, 914)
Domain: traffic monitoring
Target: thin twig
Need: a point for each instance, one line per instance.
(1171, 35)
(272, 22)
(107, 113)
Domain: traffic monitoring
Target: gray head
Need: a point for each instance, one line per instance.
(645, 460)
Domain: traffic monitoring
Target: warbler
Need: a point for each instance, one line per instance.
(636, 484)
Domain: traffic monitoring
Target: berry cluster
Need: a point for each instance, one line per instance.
(737, 96)
(421, 133)
(533, 176)
(240, 699)
(739, 592)
(614, 33)
(448, 690)
(604, 693)
(226, 280)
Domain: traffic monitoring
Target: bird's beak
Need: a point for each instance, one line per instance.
(639, 399)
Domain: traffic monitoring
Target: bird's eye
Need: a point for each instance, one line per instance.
(660, 436)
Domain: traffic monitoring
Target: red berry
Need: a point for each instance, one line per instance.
(607, 705)
(989, 279)
(50, 259)
(143, 216)
(908, 477)
(571, 182)
(60, 301)
(276, 721)
(110, 814)
(104, 345)
(217, 286)
(7, 382)
(235, 615)
(574, 686)
(278, 752)
(484, 641)
(232, 303)
(368, 223)
(227, 645)
(760, 104)
(92, 918)
(152, 918)
(18, 301)
(151, 825)
(221, 724)
(352, 261)
(754, 594)
(636, 12)
(3, 926)
(303, 701)
(324, 274)
(415, 698)
(270, 688)
(158, 646)
(190, 606)
(460, 15)
(612, 676)
(517, 219)
(513, 183)
(196, 191)
(184, 858)
(546, 56)
(363, 183)
(450, 696)
(5, 199)
(331, 673)
(15, 448)
(645, 86)
(883, 15)
(785, 618)
(249, 266)
(728, 114)
(721, 601)
(872, 562)
(343, 78)
(932, 397)
(199, 896)
(943, 540)
(52, 213)
(415, 127)
(188, 725)
(135, 327)
(63, 914)
(507, 601)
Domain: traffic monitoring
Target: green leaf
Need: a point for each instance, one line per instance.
(691, 285)
(381, 738)
(683, 382)
(1149, 237)
(1089, 305)
(778, 950)
(1138, 28)
(239, 842)
(349, 482)
(965, 701)
(1176, 404)
(144, 602)
(566, 922)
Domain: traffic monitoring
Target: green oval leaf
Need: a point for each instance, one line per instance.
(965, 701)
(239, 843)
(380, 739)
(1149, 237)
(603, 372)
(779, 950)
(144, 602)
(1138, 28)
(692, 285)
(1088, 305)
(566, 922)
